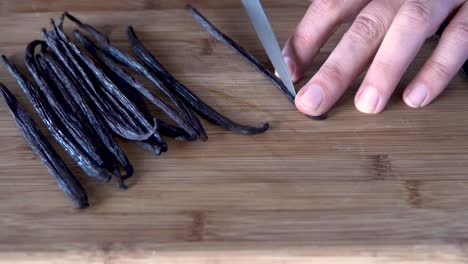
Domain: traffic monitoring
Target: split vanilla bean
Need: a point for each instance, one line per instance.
(220, 36)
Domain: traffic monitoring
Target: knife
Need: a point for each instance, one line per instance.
(270, 43)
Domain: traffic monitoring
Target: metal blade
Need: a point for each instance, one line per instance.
(270, 43)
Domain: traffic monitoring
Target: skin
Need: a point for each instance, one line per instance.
(385, 36)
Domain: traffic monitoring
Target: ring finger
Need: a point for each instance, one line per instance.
(414, 22)
(444, 63)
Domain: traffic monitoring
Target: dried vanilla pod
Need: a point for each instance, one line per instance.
(103, 78)
(104, 102)
(107, 83)
(200, 107)
(130, 81)
(96, 99)
(220, 36)
(164, 128)
(44, 150)
(156, 142)
(114, 90)
(70, 120)
(55, 126)
(78, 100)
(133, 64)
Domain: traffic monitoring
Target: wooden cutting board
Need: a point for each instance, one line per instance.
(388, 188)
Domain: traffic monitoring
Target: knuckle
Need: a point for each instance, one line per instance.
(367, 28)
(302, 38)
(332, 73)
(439, 69)
(417, 13)
(384, 66)
(326, 5)
(457, 33)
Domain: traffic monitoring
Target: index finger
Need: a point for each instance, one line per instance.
(317, 25)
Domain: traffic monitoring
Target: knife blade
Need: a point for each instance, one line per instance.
(268, 39)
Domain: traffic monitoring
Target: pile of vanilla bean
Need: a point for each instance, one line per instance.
(85, 94)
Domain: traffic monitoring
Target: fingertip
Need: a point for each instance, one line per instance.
(309, 100)
(367, 100)
(300, 107)
(416, 96)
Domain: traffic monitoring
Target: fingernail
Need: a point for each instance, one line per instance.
(368, 100)
(310, 99)
(416, 96)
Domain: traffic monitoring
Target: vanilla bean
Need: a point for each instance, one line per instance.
(44, 150)
(55, 126)
(78, 100)
(164, 128)
(108, 107)
(220, 36)
(97, 99)
(134, 114)
(106, 83)
(133, 64)
(74, 126)
(129, 80)
(156, 141)
(184, 93)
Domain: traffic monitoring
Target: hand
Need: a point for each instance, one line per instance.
(386, 36)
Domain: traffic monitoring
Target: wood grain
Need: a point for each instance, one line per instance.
(390, 188)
